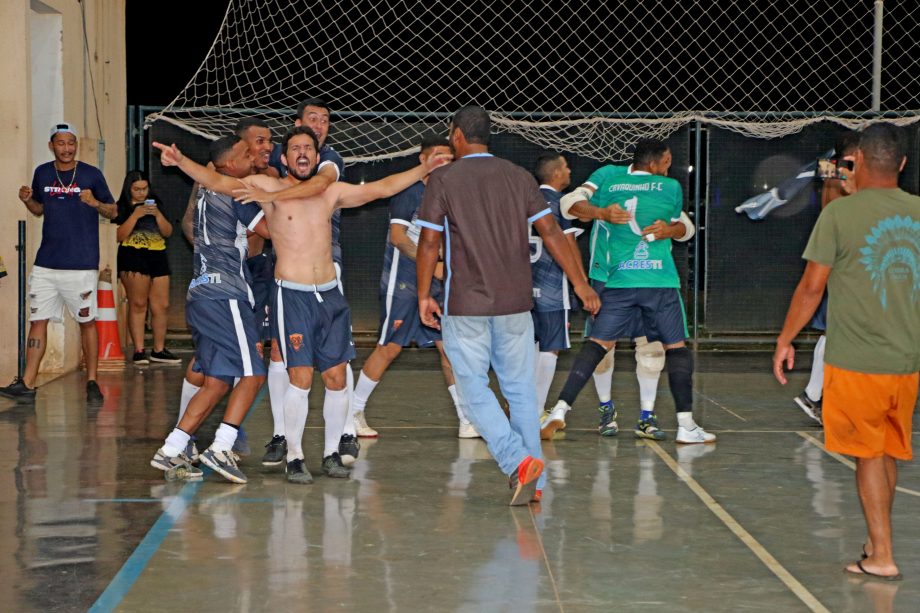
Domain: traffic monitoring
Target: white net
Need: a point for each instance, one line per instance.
(584, 77)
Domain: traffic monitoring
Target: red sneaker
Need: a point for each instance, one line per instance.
(524, 481)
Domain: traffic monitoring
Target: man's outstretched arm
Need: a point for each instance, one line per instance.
(349, 196)
(207, 177)
(305, 189)
(804, 302)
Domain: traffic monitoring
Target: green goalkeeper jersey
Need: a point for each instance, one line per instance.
(621, 257)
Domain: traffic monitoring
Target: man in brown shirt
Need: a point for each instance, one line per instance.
(483, 206)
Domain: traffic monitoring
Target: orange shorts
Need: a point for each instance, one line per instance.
(866, 415)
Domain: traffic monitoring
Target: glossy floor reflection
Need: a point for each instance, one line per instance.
(764, 520)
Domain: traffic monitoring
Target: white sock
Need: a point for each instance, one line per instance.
(603, 380)
(335, 411)
(350, 388)
(176, 442)
(224, 437)
(546, 368)
(296, 407)
(815, 387)
(278, 382)
(188, 392)
(685, 420)
(648, 390)
(363, 391)
(458, 404)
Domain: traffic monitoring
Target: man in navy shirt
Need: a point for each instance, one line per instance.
(400, 324)
(70, 195)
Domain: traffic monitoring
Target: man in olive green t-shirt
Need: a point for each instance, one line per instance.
(866, 249)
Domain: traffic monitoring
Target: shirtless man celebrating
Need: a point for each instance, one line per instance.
(310, 316)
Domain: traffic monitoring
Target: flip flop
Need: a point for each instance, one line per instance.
(865, 573)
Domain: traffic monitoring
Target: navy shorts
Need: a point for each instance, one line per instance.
(400, 323)
(819, 321)
(660, 311)
(227, 342)
(637, 328)
(262, 272)
(551, 329)
(313, 326)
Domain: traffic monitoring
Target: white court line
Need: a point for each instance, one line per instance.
(743, 535)
(723, 407)
(847, 462)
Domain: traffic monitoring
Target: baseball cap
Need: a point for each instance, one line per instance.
(62, 127)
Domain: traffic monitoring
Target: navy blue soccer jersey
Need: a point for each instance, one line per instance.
(327, 155)
(70, 228)
(550, 284)
(221, 248)
(399, 272)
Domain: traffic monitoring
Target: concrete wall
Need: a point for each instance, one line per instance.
(35, 87)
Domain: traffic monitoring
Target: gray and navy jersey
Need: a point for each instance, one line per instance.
(327, 155)
(399, 272)
(550, 284)
(220, 271)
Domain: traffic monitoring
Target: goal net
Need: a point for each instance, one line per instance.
(584, 77)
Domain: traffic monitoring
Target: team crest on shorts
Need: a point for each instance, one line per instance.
(296, 341)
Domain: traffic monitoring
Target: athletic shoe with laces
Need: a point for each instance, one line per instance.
(93, 393)
(694, 437)
(607, 424)
(648, 428)
(191, 450)
(468, 430)
(333, 467)
(275, 451)
(165, 357)
(553, 420)
(19, 391)
(349, 448)
(297, 473)
(361, 427)
(140, 358)
(524, 481)
(223, 462)
(176, 468)
(241, 444)
(811, 407)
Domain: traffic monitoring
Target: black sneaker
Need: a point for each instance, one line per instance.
(297, 472)
(812, 408)
(275, 451)
(140, 358)
(93, 393)
(17, 390)
(607, 425)
(164, 357)
(333, 467)
(349, 448)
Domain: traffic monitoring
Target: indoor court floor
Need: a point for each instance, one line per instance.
(763, 520)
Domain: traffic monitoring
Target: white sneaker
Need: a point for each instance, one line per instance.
(361, 427)
(694, 437)
(553, 420)
(468, 430)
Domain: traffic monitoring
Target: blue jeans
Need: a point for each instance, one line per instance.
(506, 342)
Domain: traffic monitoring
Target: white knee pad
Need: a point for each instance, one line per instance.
(649, 358)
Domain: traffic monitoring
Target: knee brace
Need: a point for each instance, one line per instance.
(650, 359)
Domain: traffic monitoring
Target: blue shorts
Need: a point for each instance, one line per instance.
(313, 325)
(637, 328)
(660, 311)
(551, 329)
(262, 272)
(227, 342)
(819, 321)
(400, 323)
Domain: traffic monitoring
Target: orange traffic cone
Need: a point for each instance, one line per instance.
(110, 355)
